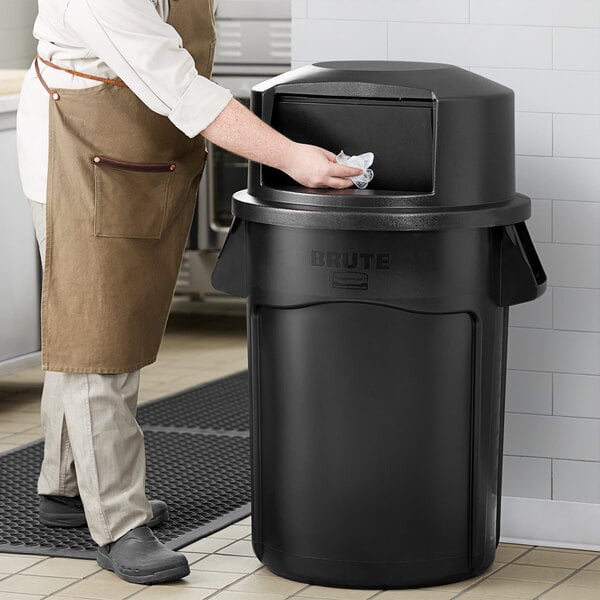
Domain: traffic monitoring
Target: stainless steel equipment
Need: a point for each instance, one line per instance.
(253, 44)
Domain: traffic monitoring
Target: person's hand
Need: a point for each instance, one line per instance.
(240, 131)
(316, 167)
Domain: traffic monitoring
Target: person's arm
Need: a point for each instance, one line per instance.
(146, 53)
(240, 131)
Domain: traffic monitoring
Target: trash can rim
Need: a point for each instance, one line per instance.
(380, 218)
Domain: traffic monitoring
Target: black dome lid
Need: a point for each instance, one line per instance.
(445, 139)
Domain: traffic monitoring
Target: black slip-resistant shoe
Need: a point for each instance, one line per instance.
(62, 511)
(138, 557)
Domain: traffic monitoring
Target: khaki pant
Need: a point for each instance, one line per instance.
(93, 444)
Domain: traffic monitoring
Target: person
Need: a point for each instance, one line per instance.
(112, 123)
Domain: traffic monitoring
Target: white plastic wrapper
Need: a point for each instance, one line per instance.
(361, 161)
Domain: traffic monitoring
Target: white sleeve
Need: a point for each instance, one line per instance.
(147, 54)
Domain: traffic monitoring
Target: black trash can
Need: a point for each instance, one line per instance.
(377, 325)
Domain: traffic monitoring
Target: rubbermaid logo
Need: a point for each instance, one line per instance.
(351, 280)
(365, 261)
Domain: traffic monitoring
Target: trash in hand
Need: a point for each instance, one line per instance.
(361, 161)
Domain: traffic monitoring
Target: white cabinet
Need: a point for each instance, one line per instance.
(19, 259)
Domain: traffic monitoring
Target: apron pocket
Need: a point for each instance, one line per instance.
(130, 198)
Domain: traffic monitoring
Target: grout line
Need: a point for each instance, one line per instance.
(552, 225)
(570, 576)
(552, 383)
(486, 577)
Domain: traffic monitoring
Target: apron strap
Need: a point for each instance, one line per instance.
(56, 95)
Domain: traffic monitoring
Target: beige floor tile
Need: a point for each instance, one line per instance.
(239, 548)
(459, 586)
(587, 579)
(59, 596)
(230, 595)
(212, 579)
(193, 557)
(265, 571)
(161, 592)
(571, 592)
(246, 521)
(101, 586)
(20, 416)
(474, 595)
(63, 567)
(267, 584)
(506, 553)
(13, 563)
(550, 558)
(416, 595)
(37, 429)
(33, 584)
(229, 564)
(593, 566)
(207, 545)
(195, 579)
(532, 573)
(317, 591)
(18, 439)
(570, 550)
(233, 532)
(511, 588)
(455, 587)
(7, 426)
(33, 405)
(13, 596)
(6, 447)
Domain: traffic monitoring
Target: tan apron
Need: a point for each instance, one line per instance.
(122, 183)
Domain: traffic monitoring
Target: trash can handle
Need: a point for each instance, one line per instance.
(229, 274)
(521, 275)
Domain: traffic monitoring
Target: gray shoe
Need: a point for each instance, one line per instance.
(62, 511)
(138, 557)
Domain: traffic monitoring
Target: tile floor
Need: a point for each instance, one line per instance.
(199, 347)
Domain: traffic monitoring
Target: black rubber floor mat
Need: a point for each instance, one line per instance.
(224, 407)
(203, 475)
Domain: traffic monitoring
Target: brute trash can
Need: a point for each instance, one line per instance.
(377, 325)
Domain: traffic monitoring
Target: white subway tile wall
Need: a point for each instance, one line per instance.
(540, 223)
(441, 11)
(576, 309)
(576, 135)
(533, 133)
(576, 49)
(527, 477)
(558, 13)
(474, 45)
(576, 481)
(529, 392)
(533, 314)
(548, 51)
(576, 395)
(576, 222)
(17, 45)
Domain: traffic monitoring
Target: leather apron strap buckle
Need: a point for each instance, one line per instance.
(54, 94)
